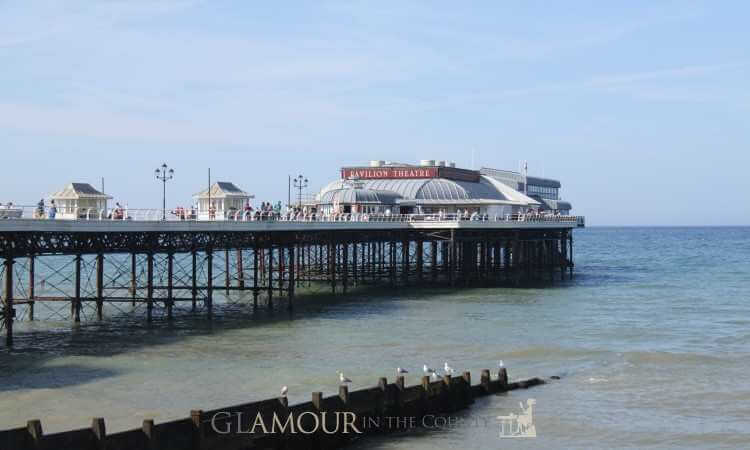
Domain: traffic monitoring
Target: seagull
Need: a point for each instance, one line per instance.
(500, 365)
(400, 371)
(435, 376)
(343, 379)
(284, 390)
(428, 369)
(447, 369)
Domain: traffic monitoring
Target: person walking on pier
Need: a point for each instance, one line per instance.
(39, 210)
(52, 210)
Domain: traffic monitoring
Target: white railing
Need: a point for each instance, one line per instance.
(156, 215)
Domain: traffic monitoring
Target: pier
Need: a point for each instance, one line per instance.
(317, 424)
(162, 268)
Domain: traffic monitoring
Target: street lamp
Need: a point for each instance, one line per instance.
(164, 174)
(300, 183)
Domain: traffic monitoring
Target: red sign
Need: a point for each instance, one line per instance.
(368, 173)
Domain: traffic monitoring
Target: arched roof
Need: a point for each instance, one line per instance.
(434, 190)
(350, 195)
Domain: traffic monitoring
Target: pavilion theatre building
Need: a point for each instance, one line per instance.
(432, 187)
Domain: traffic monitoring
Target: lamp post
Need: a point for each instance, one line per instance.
(164, 174)
(300, 182)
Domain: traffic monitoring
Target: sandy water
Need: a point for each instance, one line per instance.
(651, 340)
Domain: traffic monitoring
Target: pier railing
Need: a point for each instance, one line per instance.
(156, 215)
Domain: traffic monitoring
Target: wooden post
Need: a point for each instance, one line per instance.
(170, 284)
(485, 381)
(77, 296)
(199, 429)
(469, 397)
(100, 432)
(149, 430)
(149, 285)
(502, 376)
(344, 394)
(99, 286)
(31, 288)
(8, 301)
(34, 427)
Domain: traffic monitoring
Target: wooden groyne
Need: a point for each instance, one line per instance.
(322, 423)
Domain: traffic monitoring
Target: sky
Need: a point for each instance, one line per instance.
(641, 108)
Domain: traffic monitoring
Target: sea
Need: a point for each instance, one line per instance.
(650, 341)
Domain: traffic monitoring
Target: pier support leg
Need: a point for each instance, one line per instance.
(8, 306)
(420, 260)
(405, 261)
(240, 271)
(170, 284)
(149, 286)
(332, 251)
(570, 255)
(291, 277)
(433, 260)
(77, 295)
(210, 282)
(255, 278)
(227, 272)
(31, 287)
(270, 278)
(133, 278)
(99, 286)
(345, 267)
(194, 288)
(452, 259)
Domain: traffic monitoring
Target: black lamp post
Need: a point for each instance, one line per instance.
(164, 174)
(300, 182)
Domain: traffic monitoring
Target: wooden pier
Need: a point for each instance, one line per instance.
(162, 268)
(317, 424)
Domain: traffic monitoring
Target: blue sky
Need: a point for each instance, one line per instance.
(642, 109)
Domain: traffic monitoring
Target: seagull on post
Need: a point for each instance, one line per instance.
(428, 369)
(284, 391)
(447, 369)
(343, 379)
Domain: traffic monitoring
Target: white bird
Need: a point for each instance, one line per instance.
(435, 376)
(428, 369)
(344, 379)
(400, 371)
(447, 369)
(284, 390)
(500, 364)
